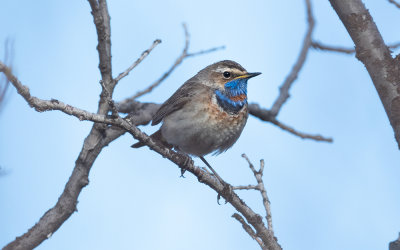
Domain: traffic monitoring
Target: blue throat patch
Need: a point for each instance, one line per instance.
(233, 88)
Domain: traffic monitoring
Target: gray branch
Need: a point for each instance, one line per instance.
(395, 3)
(284, 89)
(266, 115)
(320, 46)
(375, 55)
(395, 245)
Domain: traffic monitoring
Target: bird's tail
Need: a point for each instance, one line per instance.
(156, 136)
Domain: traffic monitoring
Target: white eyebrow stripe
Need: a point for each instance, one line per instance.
(233, 70)
(221, 70)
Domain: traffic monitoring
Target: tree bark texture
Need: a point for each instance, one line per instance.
(375, 55)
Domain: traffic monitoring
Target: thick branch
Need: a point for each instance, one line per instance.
(395, 245)
(284, 89)
(375, 55)
(66, 203)
(101, 19)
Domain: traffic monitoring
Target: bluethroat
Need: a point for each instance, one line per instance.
(207, 113)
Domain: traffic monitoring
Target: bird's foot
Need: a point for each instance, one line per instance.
(185, 161)
(226, 193)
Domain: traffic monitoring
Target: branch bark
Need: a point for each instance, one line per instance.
(395, 245)
(375, 55)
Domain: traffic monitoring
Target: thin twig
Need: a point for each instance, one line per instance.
(207, 51)
(177, 62)
(395, 3)
(249, 230)
(266, 115)
(284, 89)
(320, 46)
(300, 134)
(248, 187)
(138, 61)
(261, 187)
(8, 59)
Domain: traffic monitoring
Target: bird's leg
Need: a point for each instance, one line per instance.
(212, 170)
(227, 191)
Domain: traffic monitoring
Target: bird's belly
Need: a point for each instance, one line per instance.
(201, 130)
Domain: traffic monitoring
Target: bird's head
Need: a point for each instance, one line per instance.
(227, 76)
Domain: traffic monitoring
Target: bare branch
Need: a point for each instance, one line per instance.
(395, 3)
(395, 245)
(249, 230)
(66, 204)
(101, 20)
(207, 51)
(3, 90)
(300, 134)
(137, 62)
(177, 62)
(284, 89)
(266, 115)
(372, 51)
(4, 83)
(260, 187)
(320, 46)
(248, 187)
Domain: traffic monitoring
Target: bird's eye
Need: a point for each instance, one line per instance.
(227, 74)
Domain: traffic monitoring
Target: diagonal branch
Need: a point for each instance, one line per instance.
(266, 115)
(284, 89)
(395, 3)
(249, 230)
(137, 62)
(372, 51)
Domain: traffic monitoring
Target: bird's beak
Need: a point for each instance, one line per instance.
(249, 75)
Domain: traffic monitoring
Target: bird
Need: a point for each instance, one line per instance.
(207, 113)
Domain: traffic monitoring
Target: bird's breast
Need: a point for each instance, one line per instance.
(203, 126)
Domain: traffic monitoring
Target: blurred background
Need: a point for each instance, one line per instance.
(343, 195)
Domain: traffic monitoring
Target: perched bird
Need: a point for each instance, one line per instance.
(207, 113)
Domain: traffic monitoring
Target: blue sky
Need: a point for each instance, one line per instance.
(324, 196)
